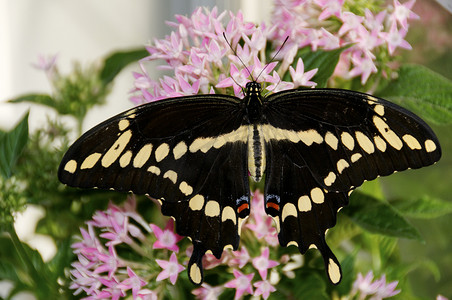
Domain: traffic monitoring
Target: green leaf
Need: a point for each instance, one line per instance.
(114, 63)
(325, 61)
(379, 217)
(425, 207)
(11, 145)
(42, 99)
(423, 91)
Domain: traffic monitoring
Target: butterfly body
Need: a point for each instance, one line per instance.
(195, 154)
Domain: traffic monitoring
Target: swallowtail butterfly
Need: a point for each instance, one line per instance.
(196, 154)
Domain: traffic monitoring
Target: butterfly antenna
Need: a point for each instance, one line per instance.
(274, 56)
(235, 53)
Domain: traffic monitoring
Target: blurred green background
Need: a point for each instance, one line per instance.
(431, 38)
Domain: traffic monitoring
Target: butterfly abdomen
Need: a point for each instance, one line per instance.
(256, 152)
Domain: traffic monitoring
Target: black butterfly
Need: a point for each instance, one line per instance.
(195, 153)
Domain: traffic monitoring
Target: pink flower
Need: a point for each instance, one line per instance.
(394, 38)
(242, 284)
(241, 258)
(363, 65)
(166, 239)
(134, 282)
(207, 292)
(262, 263)
(46, 63)
(402, 12)
(171, 269)
(378, 289)
(263, 288)
(330, 8)
(299, 77)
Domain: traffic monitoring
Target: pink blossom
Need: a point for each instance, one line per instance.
(207, 292)
(402, 13)
(146, 294)
(395, 38)
(240, 258)
(242, 284)
(166, 238)
(363, 65)
(330, 8)
(350, 22)
(299, 77)
(171, 269)
(46, 63)
(134, 282)
(263, 288)
(364, 286)
(262, 263)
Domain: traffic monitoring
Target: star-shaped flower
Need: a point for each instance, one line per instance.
(242, 283)
(166, 239)
(262, 263)
(171, 268)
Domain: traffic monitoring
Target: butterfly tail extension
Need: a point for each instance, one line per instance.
(195, 268)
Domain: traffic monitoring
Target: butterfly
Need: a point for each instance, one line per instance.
(195, 154)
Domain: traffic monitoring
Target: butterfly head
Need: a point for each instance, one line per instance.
(253, 88)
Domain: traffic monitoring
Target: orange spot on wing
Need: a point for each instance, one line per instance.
(272, 205)
(242, 207)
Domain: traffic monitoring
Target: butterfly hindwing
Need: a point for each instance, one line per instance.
(188, 152)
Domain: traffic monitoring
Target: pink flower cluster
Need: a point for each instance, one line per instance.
(364, 286)
(203, 62)
(102, 273)
(313, 23)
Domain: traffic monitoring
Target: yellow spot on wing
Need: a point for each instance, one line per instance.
(364, 142)
(195, 274)
(171, 175)
(124, 160)
(116, 149)
(71, 166)
(331, 140)
(196, 203)
(228, 213)
(380, 143)
(317, 195)
(185, 188)
(430, 146)
(161, 152)
(348, 140)
(304, 203)
(212, 208)
(180, 150)
(334, 272)
(342, 164)
(123, 124)
(154, 170)
(142, 156)
(90, 161)
(355, 157)
(386, 132)
(330, 179)
(412, 142)
(288, 210)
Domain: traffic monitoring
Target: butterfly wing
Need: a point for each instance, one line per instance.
(188, 152)
(325, 143)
